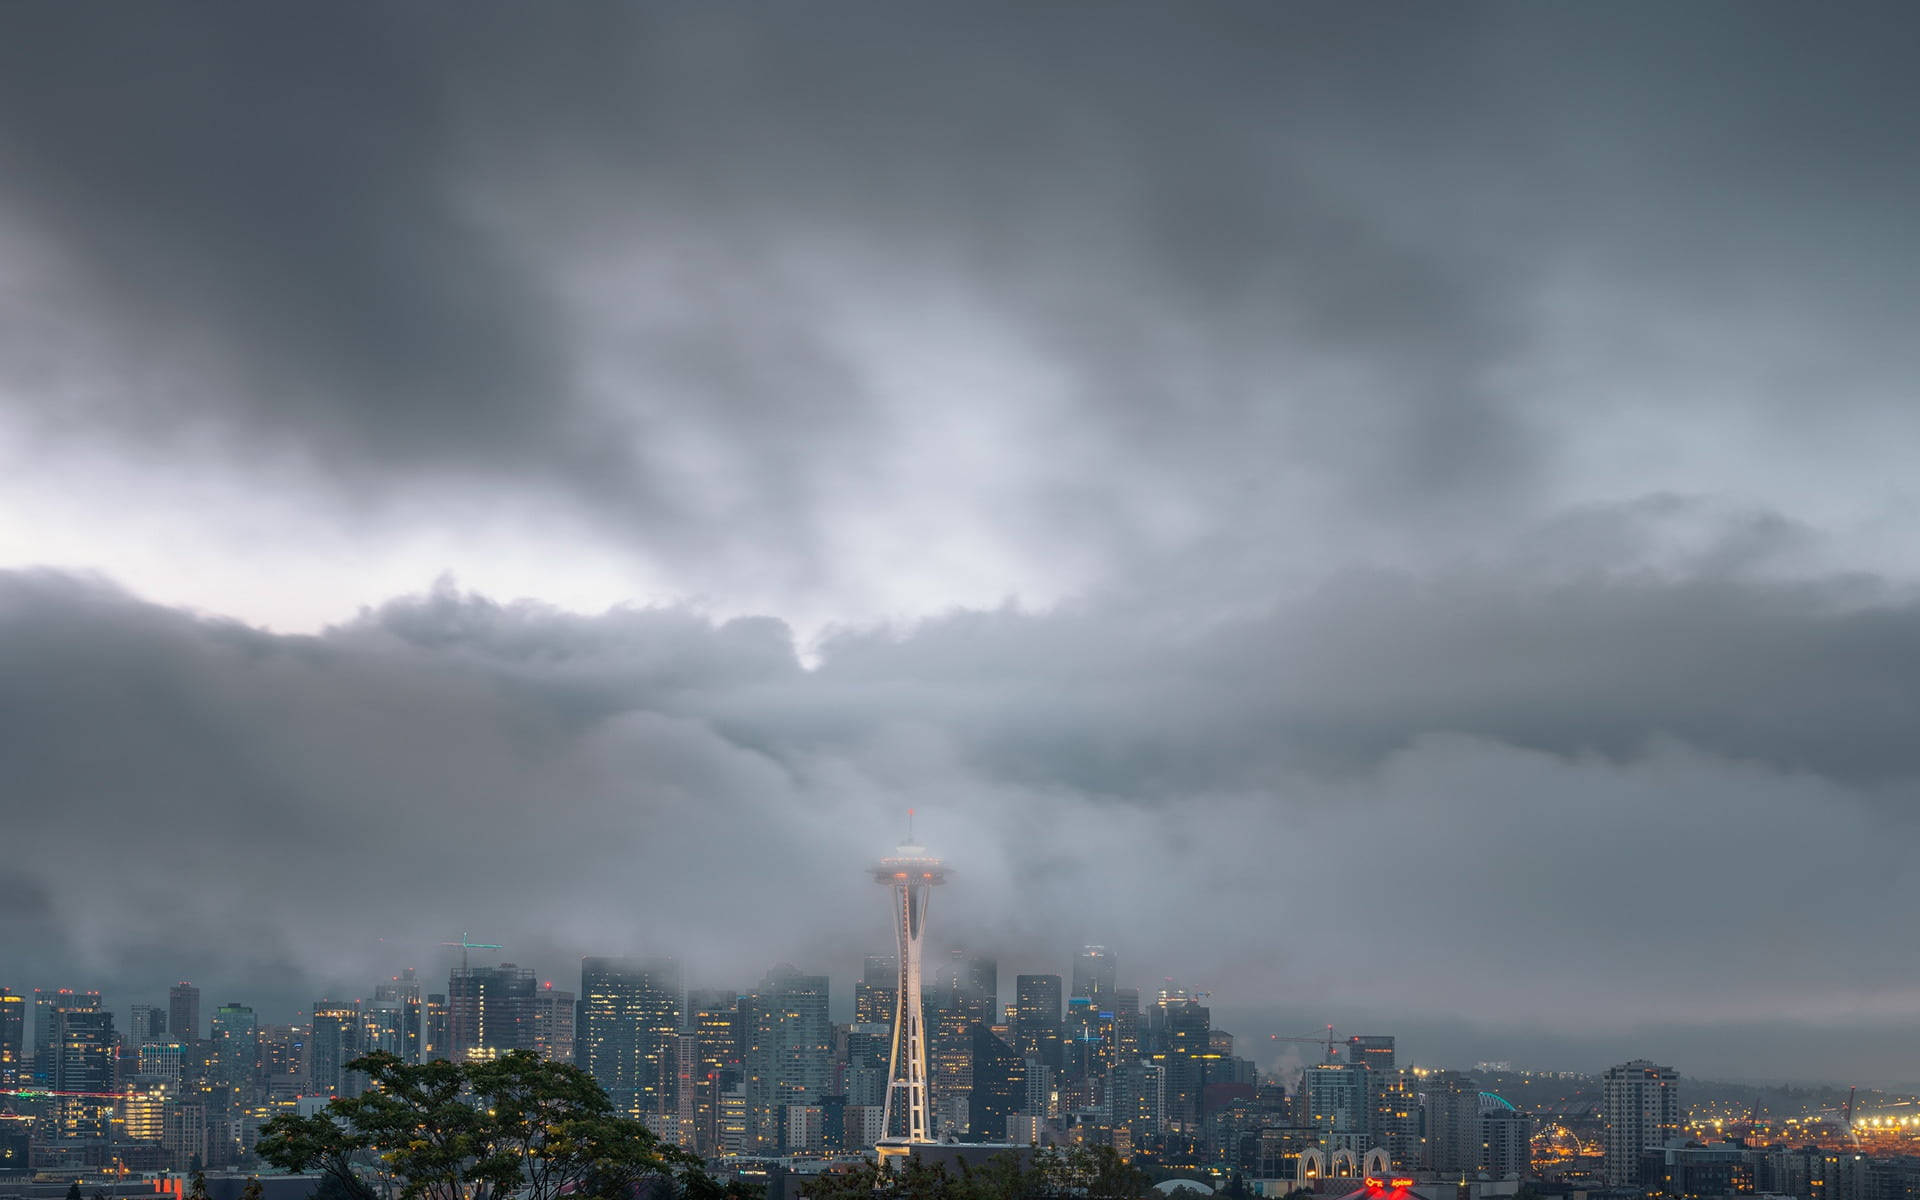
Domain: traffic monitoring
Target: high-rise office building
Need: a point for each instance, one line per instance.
(971, 983)
(874, 996)
(46, 1007)
(1334, 1098)
(629, 1011)
(436, 1034)
(1087, 1037)
(950, 1065)
(718, 1050)
(789, 1053)
(1093, 972)
(1506, 1142)
(334, 1041)
(143, 1110)
(867, 1048)
(185, 1132)
(147, 1022)
(1372, 1051)
(1450, 1103)
(998, 1085)
(403, 990)
(183, 1011)
(553, 1018)
(383, 1027)
(686, 1090)
(81, 1064)
(1186, 1033)
(1137, 1097)
(236, 1056)
(1036, 1019)
(1393, 1116)
(1640, 1102)
(283, 1065)
(1125, 1006)
(489, 1011)
(964, 995)
(13, 1039)
(161, 1059)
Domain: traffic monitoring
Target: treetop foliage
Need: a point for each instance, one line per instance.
(516, 1126)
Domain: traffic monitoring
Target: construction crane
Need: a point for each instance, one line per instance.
(1318, 1039)
(464, 945)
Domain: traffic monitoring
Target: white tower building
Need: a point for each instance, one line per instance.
(910, 874)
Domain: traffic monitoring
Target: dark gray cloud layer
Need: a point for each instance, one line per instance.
(1447, 467)
(1269, 263)
(1663, 781)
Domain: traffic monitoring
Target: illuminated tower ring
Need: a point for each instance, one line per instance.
(911, 873)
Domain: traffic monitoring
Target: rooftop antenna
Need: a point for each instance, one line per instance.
(909, 827)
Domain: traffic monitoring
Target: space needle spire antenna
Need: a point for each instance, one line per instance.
(910, 874)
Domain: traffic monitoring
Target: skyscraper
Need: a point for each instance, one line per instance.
(1137, 1097)
(1186, 1028)
(1093, 972)
(629, 1012)
(789, 1053)
(436, 1036)
(1036, 1018)
(13, 1035)
(999, 1085)
(333, 1042)
(866, 1079)
(1451, 1104)
(964, 998)
(403, 990)
(1335, 1098)
(1392, 1108)
(717, 1066)
(1125, 1006)
(183, 1012)
(553, 1017)
(950, 1065)
(81, 1064)
(236, 1050)
(1640, 1102)
(1373, 1051)
(161, 1059)
(1506, 1141)
(489, 1011)
(47, 1005)
(384, 1027)
(148, 1021)
(972, 984)
(877, 994)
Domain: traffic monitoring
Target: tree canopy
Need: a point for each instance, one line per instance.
(516, 1126)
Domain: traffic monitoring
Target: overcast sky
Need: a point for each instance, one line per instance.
(1398, 515)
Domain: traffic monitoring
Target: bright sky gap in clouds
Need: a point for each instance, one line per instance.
(1433, 482)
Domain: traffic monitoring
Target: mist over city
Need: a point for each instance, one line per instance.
(1397, 519)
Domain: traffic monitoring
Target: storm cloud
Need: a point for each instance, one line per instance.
(1300, 495)
(323, 809)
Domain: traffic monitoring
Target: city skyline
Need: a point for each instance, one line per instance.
(1280, 1051)
(1399, 518)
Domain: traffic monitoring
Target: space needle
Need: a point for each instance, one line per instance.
(910, 874)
